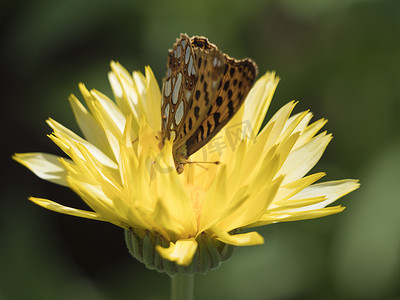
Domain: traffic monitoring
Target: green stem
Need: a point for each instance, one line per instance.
(182, 287)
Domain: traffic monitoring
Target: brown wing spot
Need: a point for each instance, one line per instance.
(199, 63)
(190, 123)
(231, 108)
(235, 82)
(230, 94)
(201, 131)
(197, 95)
(232, 71)
(202, 77)
(205, 86)
(226, 68)
(196, 112)
(226, 85)
(217, 115)
(219, 101)
(240, 84)
(208, 127)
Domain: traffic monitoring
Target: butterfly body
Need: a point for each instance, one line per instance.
(202, 91)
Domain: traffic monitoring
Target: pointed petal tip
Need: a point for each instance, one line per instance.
(81, 86)
(271, 75)
(242, 239)
(355, 184)
(56, 207)
(16, 156)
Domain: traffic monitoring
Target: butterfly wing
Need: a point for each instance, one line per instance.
(208, 65)
(202, 91)
(238, 78)
(179, 82)
(193, 76)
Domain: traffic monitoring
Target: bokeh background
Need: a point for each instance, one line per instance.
(340, 58)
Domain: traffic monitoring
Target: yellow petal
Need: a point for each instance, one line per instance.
(331, 190)
(125, 93)
(54, 206)
(242, 239)
(68, 138)
(295, 204)
(308, 132)
(278, 120)
(288, 190)
(215, 201)
(152, 102)
(109, 112)
(259, 99)
(45, 166)
(275, 217)
(291, 125)
(90, 128)
(302, 124)
(300, 161)
(181, 252)
(252, 208)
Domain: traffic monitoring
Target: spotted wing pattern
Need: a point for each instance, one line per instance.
(193, 76)
(209, 64)
(178, 84)
(202, 91)
(238, 78)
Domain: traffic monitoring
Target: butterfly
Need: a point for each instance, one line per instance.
(202, 91)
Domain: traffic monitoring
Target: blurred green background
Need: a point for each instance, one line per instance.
(340, 58)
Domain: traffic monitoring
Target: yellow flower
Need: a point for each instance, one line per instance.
(119, 170)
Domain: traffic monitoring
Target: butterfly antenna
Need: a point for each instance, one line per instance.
(200, 163)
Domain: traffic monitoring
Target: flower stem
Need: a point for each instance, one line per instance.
(182, 287)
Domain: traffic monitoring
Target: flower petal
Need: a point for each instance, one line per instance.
(152, 103)
(45, 166)
(278, 122)
(54, 206)
(109, 112)
(259, 99)
(308, 132)
(65, 139)
(288, 190)
(125, 93)
(91, 129)
(242, 239)
(181, 252)
(275, 217)
(331, 190)
(301, 160)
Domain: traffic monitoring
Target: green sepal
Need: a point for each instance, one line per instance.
(209, 255)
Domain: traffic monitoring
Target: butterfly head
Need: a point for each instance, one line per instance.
(180, 158)
(180, 167)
